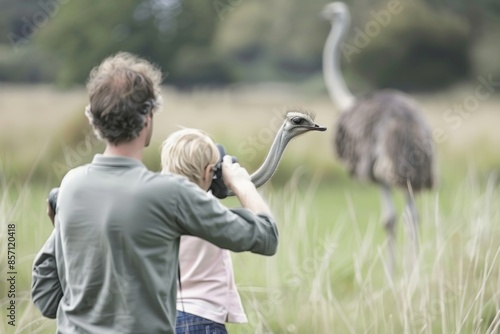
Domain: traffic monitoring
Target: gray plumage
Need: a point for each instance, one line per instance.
(382, 137)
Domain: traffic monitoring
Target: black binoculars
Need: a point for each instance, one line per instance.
(218, 187)
(53, 198)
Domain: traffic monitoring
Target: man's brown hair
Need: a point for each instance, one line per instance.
(123, 89)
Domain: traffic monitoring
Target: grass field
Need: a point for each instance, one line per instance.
(328, 275)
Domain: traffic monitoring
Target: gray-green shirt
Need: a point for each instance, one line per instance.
(110, 265)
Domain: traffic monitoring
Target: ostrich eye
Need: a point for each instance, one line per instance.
(297, 120)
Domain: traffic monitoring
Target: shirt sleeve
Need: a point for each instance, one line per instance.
(46, 290)
(202, 215)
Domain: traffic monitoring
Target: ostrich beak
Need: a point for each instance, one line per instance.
(317, 127)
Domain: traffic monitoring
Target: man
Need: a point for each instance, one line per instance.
(110, 265)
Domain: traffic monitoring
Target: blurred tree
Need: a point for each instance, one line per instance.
(84, 32)
(419, 48)
(14, 15)
(478, 13)
(193, 60)
(20, 59)
(427, 46)
(262, 40)
(27, 65)
(484, 21)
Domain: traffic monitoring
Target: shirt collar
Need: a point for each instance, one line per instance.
(116, 161)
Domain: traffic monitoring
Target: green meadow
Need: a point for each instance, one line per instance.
(329, 273)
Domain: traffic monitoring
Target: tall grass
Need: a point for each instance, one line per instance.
(328, 275)
(315, 285)
(21, 204)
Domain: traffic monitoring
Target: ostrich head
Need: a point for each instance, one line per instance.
(298, 122)
(335, 11)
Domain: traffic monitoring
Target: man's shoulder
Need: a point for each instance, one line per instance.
(144, 180)
(74, 173)
(176, 181)
(171, 188)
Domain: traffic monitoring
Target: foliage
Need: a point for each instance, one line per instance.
(419, 49)
(431, 44)
(280, 38)
(29, 64)
(86, 32)
(13, 17)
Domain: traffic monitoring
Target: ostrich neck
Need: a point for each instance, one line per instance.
(337, 88)
(267, 169)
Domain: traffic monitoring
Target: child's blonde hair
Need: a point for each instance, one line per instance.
(188, 152)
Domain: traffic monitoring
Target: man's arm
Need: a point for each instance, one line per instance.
(46, 290)
(202, 215)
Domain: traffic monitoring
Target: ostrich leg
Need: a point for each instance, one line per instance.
(411, 222)
(389, 222)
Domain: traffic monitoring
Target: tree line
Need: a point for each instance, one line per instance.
(410, 45)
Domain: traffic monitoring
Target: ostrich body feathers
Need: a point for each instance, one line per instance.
(384, 138)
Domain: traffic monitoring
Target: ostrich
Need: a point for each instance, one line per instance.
(382, 137)
(296, 123)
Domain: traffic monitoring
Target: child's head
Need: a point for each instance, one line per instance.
(192, 153)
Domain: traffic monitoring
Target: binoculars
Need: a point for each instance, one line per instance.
(217, 186)
(53, 198)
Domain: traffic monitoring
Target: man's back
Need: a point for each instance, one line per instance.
(112, 231)
(116, 245)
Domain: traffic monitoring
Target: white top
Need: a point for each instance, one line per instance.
(207, 279)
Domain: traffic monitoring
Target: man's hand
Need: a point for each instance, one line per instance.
(50, 212)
